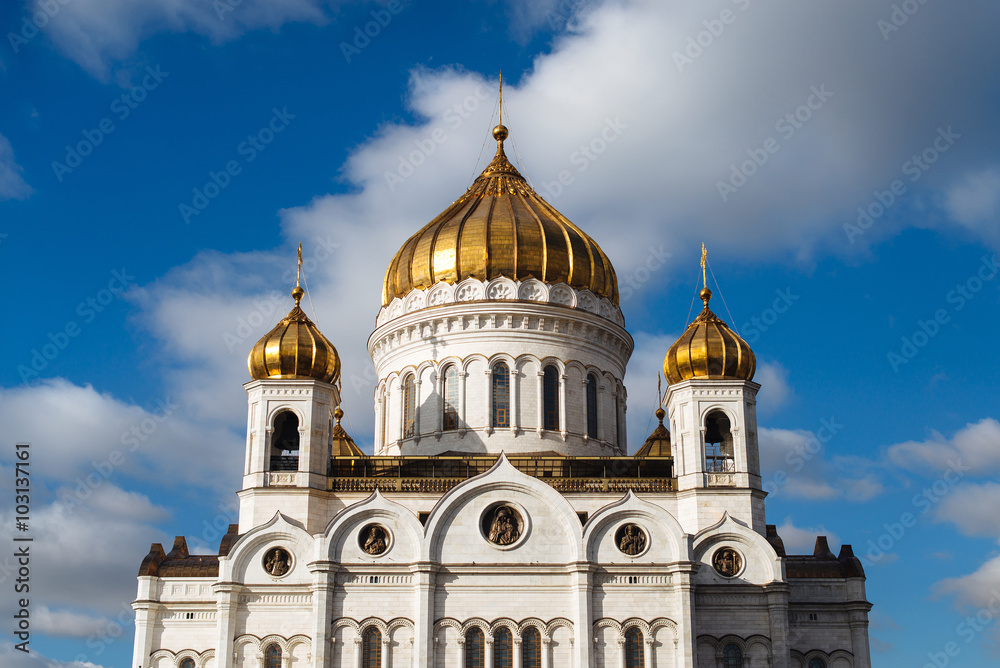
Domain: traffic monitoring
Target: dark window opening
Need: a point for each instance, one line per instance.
(592, 406)
(501, 396)
(719, 447)
(550, 398)
(285, 442)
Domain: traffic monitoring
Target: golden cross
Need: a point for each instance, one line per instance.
(704, 259)
(298, 277)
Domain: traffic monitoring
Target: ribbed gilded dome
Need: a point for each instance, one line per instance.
(709, 349)
(500, 227)
(295, 348)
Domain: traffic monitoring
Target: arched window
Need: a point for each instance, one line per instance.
(371, 648)
(633, 648)
(186, 663)
(285, 442)
(272, 656)
(550, 398)
(592, 406)
(503, 649)
(409, 405)
(817, 663)
(475, 648)
(618, 431)
(719, 454)
(732, 657)
(531, 648)
(450, 393)
(501, 395)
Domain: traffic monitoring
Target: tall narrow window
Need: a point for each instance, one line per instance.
(531, 648)
(450, 394)
(719, 456)
(285, 442)
(550, 398)
(817, 663)
(189, 663)
(633, 648)
(732, 657)
(272, 656)
(371, 648)
(592, 406)
(503, 649)
(409, 405)
(501, 395)
(475, 649)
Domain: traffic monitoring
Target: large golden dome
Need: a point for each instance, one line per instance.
(709, 349)
(296, 349)
(500, 227)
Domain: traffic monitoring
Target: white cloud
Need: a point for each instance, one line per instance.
(83, 438)
(802, 540)
(977, 445)
(12, 658)
(12, 184)
(66, 623)
(975, 590)
(775, 392)
(975, 200)
(98, 33)
(972, 508)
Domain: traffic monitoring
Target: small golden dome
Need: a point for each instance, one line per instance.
(500, 227)
(295, 348)
(709, 349)
(343, 445)
(658, 443)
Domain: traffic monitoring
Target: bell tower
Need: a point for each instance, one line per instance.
(712, 407)
(292, 400)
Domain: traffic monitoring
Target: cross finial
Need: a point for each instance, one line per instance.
(704, 260)
(298, 276)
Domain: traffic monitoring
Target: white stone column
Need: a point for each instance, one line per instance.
(146, 607)
(517, 652)
(424, 644)
(683, 578)
(488, 654)
(357, 652)
(515, 408)
(858, 621)
(417, 405)
(386, 648)
(562, 405)
(461, 652)
(462, 424)
(546, 653)
(647, 653)
(323, 573)
(489, 400)
(581, 587)
(777, 609)
(621, 653)
(540, 411)
(227, 601)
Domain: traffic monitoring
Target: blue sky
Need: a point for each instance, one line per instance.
(758, 128)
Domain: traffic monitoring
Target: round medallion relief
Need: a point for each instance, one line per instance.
(277, 562)
(631, 539)
(502, 524)
(727, 562)
(374, 539)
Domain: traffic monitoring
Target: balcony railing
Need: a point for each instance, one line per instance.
(279, 463)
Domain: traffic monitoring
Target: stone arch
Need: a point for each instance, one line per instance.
(279, 528)
(535, 623)
(631, 506)
(507, 623)
(369, 622)
(634, 622)
(730, 529)
(448, 622)
(608, 622)
(375, 506)
(559, 622)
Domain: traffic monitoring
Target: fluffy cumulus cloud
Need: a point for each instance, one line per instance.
(99, 33)
(802, 540)
(12, 658)
(976, 446)
(12, 184)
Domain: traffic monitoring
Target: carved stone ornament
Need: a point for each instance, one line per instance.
(374, 539)
(277, 562)
(727, 562)
(631, 539)
(502, 525)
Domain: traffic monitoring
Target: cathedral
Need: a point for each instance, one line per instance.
(500, 522)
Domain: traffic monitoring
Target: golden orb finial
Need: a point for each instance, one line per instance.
(660, 414)
(339, 413)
